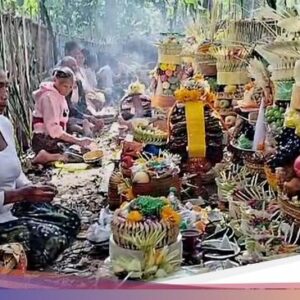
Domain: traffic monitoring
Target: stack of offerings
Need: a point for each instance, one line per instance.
(135, 104)
(194, 132)
(282, 54)
(168, 72)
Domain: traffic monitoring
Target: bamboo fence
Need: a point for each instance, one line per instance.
(27, 53)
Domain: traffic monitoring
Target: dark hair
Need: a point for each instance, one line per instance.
(90, 60)
(70, 46)
(63, 73)
(65, 62)
(107, 59)
(86, 52)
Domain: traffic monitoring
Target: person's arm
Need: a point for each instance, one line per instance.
(9, 197)
(33, 194)
(22, 180)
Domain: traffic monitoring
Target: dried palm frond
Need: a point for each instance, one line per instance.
(259, 72)
(205, 25)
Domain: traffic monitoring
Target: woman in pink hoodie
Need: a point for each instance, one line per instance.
(50, 118)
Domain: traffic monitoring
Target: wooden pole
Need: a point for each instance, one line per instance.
(3, 42)
(26, 52)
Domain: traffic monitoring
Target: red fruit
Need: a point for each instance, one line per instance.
(128, 161)
(297, 166)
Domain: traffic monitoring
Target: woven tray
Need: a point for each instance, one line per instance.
(290, 209)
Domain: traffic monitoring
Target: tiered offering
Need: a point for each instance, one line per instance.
(168, 72)
(135, 104)
(148, 215)
(146, 242)
(194, 132)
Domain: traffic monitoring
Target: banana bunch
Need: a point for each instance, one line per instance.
(150, 135)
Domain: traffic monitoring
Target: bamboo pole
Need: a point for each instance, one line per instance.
(26, 52)
(39, 52)
(3, 42)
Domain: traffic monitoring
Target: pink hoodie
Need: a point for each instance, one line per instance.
(51, 112)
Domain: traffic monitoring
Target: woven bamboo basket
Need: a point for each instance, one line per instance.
(289, 209)
(136, 101)
(114, 199)
(206, 65)
(119, 230)
(157, 187)
(255, 168)
(126, 172)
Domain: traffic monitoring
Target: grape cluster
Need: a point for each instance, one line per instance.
(287, 151)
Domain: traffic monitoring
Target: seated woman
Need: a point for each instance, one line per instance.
(81, 120)
(50, 118)
(26, 215)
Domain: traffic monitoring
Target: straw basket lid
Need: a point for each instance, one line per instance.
(287, 49)
(170, 46)
(170, 50)
(233, 78)
(291, 24)
(281, 73)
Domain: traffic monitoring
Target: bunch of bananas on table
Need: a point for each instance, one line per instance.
(149, 135)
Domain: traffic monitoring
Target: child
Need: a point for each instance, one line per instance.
(50, 118)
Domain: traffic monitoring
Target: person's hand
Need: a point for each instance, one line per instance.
(85, 142)
(99, 125)
(37, 194)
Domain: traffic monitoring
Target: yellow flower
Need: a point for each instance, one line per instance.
(129, 194)
(172, 67)
(170, 216)
(163, 67)
(185, 95)
(134, 216)
(199, 77)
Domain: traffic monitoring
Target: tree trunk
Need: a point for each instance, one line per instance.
(110, 16)
(47, 22)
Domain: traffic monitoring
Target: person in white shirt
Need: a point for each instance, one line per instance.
(74, 50)
(26, 214)
(90, 65)
(107, 75)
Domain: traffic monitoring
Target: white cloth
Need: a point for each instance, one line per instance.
(81, 75)
(105, 76)
(11, 175)
(91, 79)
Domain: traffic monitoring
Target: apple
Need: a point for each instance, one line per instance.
(297, 166)
(127, 161)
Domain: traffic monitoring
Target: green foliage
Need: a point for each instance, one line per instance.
(104, 19)
(28, 7)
